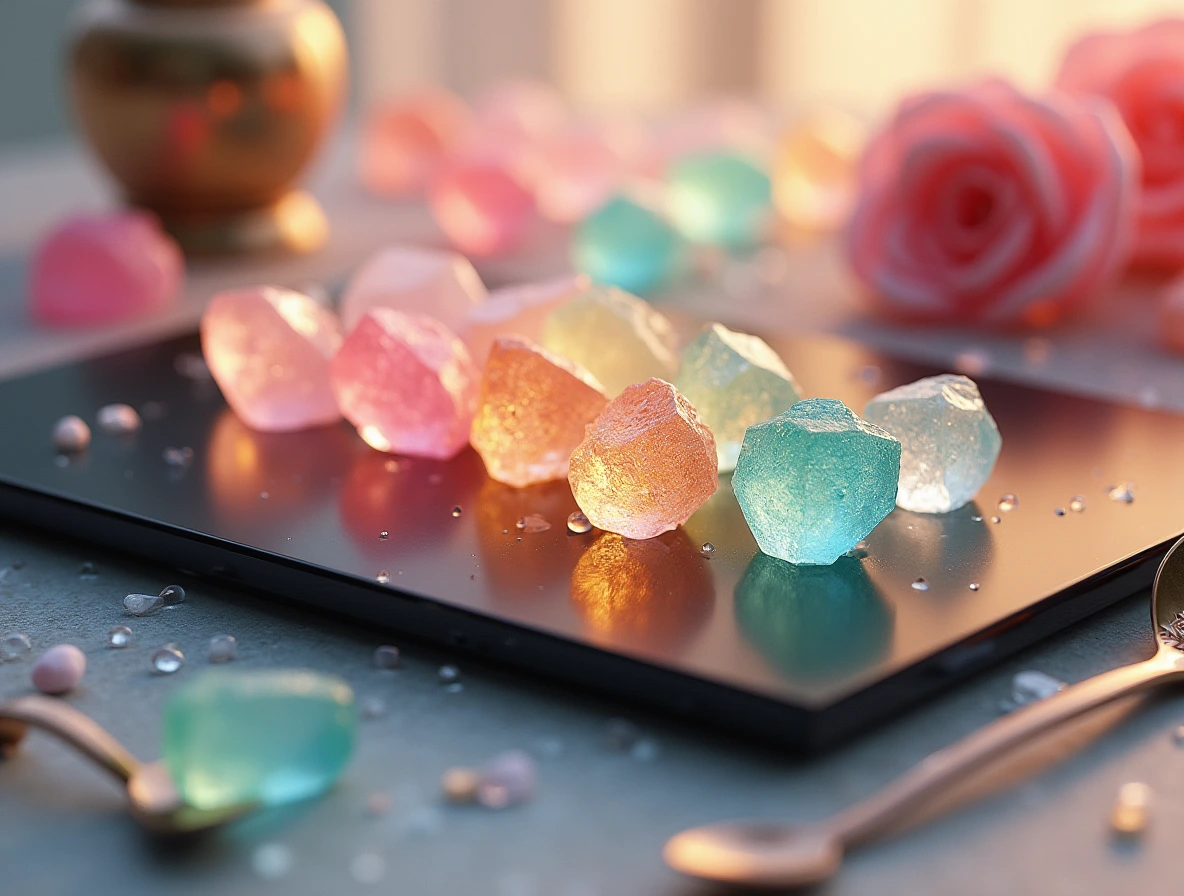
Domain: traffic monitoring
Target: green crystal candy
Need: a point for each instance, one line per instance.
(627, 245)
(814, 481)
(734, 380)
(720, 198)
(268, 737)
(618, 338)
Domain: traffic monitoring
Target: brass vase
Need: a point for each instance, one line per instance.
(207, 111)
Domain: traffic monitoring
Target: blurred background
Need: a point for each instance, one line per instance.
(627, 55)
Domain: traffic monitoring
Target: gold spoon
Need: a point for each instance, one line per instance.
(777, 854)
(154, 800)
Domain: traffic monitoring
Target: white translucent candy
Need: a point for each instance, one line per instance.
(949, 441)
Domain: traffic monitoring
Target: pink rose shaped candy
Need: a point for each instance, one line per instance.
(1142, 73)
(96, 269)
(987, 206)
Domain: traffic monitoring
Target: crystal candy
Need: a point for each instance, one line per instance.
(102, 268)
(269, 351)
(719, 198)
(406, 141)
(627, 245)
(59, 670)
(481, 207)
(512, 119)
(949, 441)
(517, 311)
(578, 169)
(734, 380)
(532, 411)
(71, 434)
(407, 383)
(815, 480)
(646, 464)
(814, 171)
(415, 281)
(268, 736)
(615, 336)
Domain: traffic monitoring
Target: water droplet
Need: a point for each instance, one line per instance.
(707, 548)
(577, 523)
(533, 523)
(1131, 813)
(367, 868)
(373, 708)
(192, 366)
(974, 586)
(143, 604)
(996, 519)
(919, 584)
(976, 519)
(118, 419)
(88, 571)
(1077, 504)
(71, 434)
(178, 458)
(1032, 686)
(383, 577)
(620, 735)
(167, 660)
(223, 648)
(172, 595)
(456, 510)
(1008, 502)
(387, 657)
(272, 860)
(384, 535)
(448, 674)
(1059, 511)
(1124, 493)
(14, 646)
(119, 637)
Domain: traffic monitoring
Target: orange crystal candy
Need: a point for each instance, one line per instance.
(646, 463)
(533, 409)
(517, 311)
(407, 383)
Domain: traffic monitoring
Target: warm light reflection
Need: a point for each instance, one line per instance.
(655, 593)
(814, 171)
(517, 568)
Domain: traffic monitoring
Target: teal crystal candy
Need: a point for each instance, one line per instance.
(618, 338)
(734, 380)
(268, 737)
(627, 245)
(720, 198)
(949, 441)
(814, 481)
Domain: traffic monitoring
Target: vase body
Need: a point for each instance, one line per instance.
(207, 111)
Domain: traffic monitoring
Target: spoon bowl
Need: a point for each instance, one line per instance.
(754, 853)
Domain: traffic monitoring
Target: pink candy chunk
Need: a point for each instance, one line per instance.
(481, 207)
(407, 383)
(97, 269)
(59, 670)
(517, 311)
(269, 351)
(414, 281)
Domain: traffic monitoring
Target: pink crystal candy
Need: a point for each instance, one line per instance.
(406, 141)
(517, 311)
(481, 207)
(59, 669)
(407, 383)
(102, 268)
(269, 351)
(577, 170)
(416, 281)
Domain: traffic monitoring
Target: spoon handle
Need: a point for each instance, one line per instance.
(941, 769)
(80, 731)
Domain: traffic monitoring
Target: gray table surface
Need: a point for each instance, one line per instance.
(1037, 824)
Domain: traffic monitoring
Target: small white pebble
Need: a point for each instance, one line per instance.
(118, 419)
(59, 670)
(71, 434)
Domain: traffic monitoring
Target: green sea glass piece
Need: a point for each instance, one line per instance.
(269, 737)
(618, 338)
(719, 198)
(627, 245)
(734, 380)
(814, 481)
(950, 441)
